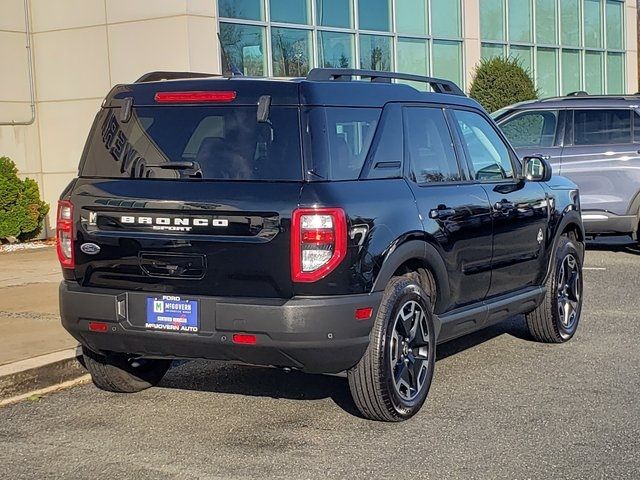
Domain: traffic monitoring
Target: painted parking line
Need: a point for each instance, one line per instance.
(594, 268)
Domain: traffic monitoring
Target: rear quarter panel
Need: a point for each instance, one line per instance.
(608, 176)
(384, 209)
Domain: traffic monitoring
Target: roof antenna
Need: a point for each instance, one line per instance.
(235, 71)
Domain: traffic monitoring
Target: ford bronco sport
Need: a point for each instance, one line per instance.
(338, 222)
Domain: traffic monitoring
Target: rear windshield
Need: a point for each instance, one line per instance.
(212, 142)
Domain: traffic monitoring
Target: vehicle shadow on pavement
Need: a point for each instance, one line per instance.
(222, 377)
(514, 326)
(614, 244)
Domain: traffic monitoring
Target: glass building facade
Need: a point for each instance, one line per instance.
(284, 38)
(568, 45)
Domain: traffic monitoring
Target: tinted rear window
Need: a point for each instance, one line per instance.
(602, 127)
(223, 143)
(430, 146)
(340, 140)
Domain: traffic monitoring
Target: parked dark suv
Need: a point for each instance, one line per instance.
(339, 222)
(595, 142)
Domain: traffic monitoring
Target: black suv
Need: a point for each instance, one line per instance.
(336, 222)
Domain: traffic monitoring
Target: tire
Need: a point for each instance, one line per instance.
(372, 381)
(556, 319)
(118, 373)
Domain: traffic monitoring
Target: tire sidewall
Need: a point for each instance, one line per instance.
(565, 248)
(114, 373)
(406, 291)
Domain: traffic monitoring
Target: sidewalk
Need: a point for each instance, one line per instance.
(29, 316)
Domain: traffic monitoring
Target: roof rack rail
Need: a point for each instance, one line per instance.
(585, 95)
(346, 74)
(157, 76)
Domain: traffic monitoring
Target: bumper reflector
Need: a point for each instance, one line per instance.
(244, 339)
(364, 313)
(98, 327)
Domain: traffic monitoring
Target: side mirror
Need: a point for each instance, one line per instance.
(536, 169)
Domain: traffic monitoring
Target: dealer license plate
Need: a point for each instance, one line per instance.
(172, 314)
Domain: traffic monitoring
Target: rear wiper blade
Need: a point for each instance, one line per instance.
(175, 165)
(193, 168)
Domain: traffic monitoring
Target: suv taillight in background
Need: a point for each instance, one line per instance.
(318, 242)
(64, 234)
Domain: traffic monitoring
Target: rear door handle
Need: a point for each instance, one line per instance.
(442, 213)
(504, 205)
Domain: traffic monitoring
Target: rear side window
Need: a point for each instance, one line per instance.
(429, 146)
(636, 127)
(212, 142)
(341, 138)
(532, 129)
(601, 127)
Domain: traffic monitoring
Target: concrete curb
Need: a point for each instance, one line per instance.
(38, 373)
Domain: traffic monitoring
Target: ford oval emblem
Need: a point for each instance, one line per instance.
(90, 248)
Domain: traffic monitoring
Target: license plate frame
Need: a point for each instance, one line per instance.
(172, 313)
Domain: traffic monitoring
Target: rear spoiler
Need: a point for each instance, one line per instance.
(159, 76)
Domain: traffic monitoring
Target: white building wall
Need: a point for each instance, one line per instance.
(632, 46)
(20, 143)
(81, 48)
(471, 32)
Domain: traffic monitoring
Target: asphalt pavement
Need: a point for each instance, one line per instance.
(501, 406)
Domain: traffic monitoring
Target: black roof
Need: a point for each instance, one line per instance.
(331, 87)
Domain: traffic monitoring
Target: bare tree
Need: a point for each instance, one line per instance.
(236, 44)
(379, 59)
(292, 56)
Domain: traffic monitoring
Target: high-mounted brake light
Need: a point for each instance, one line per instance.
(64, 234)
(318, 242)
(195, 97)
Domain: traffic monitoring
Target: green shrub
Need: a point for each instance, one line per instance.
(21, 210)
(499, 82)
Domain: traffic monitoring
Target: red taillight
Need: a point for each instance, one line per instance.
(64, 234)
(318, 242)
(317, 236)
(195, 97)
(100, 327)
(244, 339)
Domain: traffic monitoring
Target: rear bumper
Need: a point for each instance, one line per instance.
(314, 334)
(599, 222)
